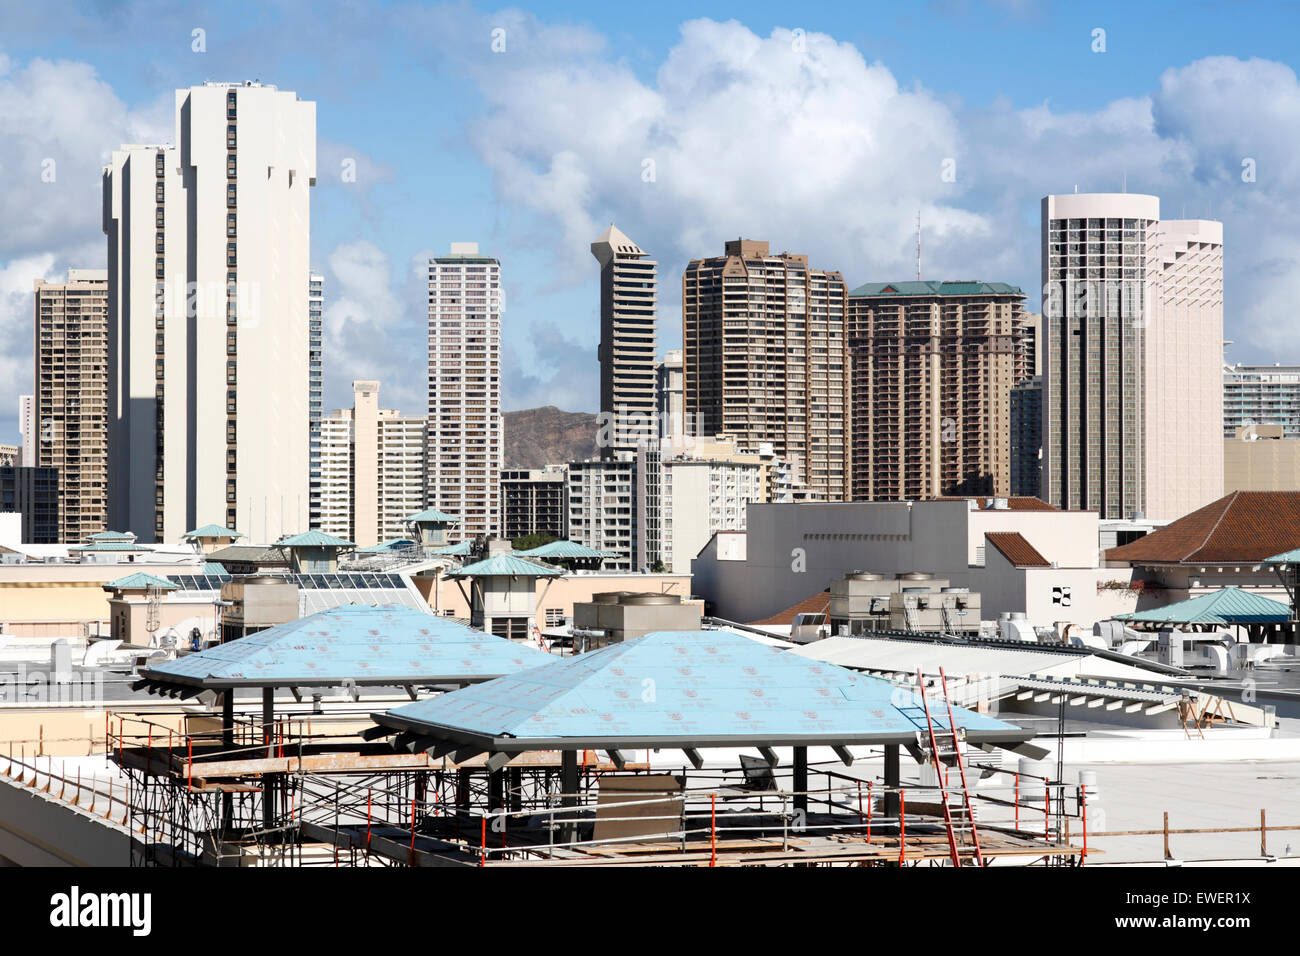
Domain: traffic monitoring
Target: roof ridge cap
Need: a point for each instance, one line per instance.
(1231, 500)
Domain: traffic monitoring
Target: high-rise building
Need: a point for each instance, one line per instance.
(1026, 437)
(71, 401)
(464, 456)
(603, 509)
(336, 474)
(628, 292)
(1132, 374)
(534, 501)
(763, 359)
(1261, 395)
(10, 454)
(27, 430)
(209, 341)
(34, 494)
(315, 314)
(932, 365)
(403, 446)
(372, 469)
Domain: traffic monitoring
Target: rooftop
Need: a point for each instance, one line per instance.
(1243, 527)
(1228, 606)
(972, 287)
(504, 564)
(706, 689)
(1013, 546)
(365, 645)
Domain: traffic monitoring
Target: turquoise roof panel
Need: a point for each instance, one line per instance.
(213, 531)
(564, 549)
(915, 288)
(1286, 557)
(455, 550)
(140, 580)
(365, 644)
(396, 544)
(1227, 606)
(432, 515)
(313, 539)
(700, 688)
(112, 536)
(504, 564)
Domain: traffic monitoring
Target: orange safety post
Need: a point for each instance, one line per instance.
(367, 818)
(1083, 813)
(902, 823)
(1047, 810)
(411, 861)
(868, 811)
(482, 851)
(713, 829)
(189, 766)
(1017, 801)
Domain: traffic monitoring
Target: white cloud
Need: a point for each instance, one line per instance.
(800, 141)
(373, 331)
(58, 123)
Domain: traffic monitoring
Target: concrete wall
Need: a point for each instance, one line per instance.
(794, 550)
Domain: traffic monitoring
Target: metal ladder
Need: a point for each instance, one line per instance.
(945, 745)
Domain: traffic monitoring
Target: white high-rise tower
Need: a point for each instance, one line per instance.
(1132, 399)
(208, 252)
(464, 454)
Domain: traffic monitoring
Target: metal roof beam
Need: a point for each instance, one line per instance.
(694, 757)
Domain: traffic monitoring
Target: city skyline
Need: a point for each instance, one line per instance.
(1173, 127)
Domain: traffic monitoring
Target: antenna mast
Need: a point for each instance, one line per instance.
(918, 245)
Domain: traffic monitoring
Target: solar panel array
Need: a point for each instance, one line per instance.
(311, 582)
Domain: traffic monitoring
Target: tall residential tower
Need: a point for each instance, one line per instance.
(208, 246)
(71, 326)
(628, 291)
(464, 453)
(763, 360)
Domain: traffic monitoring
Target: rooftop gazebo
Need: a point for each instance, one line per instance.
(567, 554)
(503, 592)
(429, 527)
(212, 537)
(682, 690)
(353, 647)
(1227, 607)
(313, 552)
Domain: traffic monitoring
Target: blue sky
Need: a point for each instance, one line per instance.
(821, 128)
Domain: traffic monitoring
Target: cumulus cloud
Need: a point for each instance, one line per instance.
(374, 329)
(59, 121)
(796, 138)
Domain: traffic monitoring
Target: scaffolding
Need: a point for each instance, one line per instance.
(281, 794)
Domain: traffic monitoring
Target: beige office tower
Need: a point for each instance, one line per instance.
(464, 452)
(1132, 377)
(71, 400)
(763, 360)
(628, 292)
(208, 246)
(668, 395)
(372, 469)
(932, 368)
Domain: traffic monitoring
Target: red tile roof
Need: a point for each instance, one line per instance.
(1245, 526)
(816, 604)
(1016, 549)
(1021, 503)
